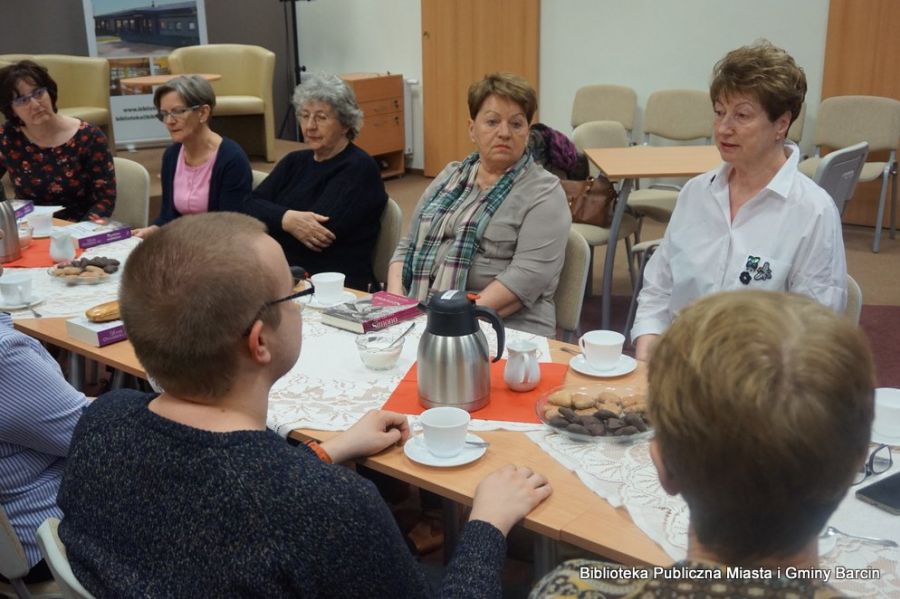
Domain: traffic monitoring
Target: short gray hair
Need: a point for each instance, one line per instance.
(193, 89)
(331, 89)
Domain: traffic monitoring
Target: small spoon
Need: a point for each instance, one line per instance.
(478, 443)
(402, 335)
(569, 350)
(831, 531)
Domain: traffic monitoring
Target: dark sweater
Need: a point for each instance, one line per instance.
(154, 508)
(229, 184)
(346, 188)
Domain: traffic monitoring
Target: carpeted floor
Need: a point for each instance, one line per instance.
(882, 326)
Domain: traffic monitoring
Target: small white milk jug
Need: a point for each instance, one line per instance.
(62, 246)
(522, 372)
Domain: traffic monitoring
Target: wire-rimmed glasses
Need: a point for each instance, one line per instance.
(880, 460)
(300, 275)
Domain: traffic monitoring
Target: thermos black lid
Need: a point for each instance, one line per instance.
(451, 314)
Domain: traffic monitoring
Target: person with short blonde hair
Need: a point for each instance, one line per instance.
(755, 222)
(496, 223)
(762, 405)
(187, 493)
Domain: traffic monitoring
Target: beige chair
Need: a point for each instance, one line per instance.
(839, 171)
(599, 134)
(132, 193)
(846, 120)
(244, 108)
(569, 296)
(854, 300)
(388, 237)
(55, 555)
(605, 103)
(674, 114)
(83, 86)
(14, 566)
(258, 177)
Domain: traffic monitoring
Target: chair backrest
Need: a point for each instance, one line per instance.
(679, 114)
(846, 120)
(599, 134)
(13, 563)
(569, 296)
(795, 133)
(854, 300)
(388, 237)
(604, 103)
(54, 553)
(132, 193)
(839, 171)
(246, 70)
(258, 177)
(82, 80)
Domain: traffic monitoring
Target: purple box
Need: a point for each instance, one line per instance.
(22, 207)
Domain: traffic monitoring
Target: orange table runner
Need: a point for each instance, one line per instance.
(37, 255)
(506, 405)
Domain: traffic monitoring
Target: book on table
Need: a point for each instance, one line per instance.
(379, 311)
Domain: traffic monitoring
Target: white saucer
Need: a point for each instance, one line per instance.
(626, 364)
(313, 301)
(416, 451)
(883, 397)
(35, 300)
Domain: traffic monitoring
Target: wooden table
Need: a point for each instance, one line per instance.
(635, 162)
(573, 513)
(150, 81)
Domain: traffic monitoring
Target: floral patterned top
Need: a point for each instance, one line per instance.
(78, 174)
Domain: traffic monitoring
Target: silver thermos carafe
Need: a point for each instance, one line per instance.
(453, 362)
(9, 244)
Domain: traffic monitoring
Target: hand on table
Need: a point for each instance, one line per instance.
(371, 433)
(307, 227)
(643, 347)
(508, 495)
(144, 232)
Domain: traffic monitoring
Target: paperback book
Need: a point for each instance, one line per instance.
(379, 311)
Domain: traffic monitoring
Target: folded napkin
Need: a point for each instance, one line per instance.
(36, 255)
(506, 405)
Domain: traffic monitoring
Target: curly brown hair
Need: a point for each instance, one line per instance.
(762, 71)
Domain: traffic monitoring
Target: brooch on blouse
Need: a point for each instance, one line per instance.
(753, 271)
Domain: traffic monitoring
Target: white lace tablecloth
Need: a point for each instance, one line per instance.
(59, 299)
(624, 475)
(330, 389)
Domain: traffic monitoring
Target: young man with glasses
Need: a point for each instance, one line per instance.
(186, 493)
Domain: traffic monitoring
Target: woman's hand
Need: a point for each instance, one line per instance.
(508, 495)
(145, 232)
(308, 229)
(371, 433)
(643, 347)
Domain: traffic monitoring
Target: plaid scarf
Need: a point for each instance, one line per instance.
(427, 235)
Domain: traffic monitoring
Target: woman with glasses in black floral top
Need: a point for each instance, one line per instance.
(52, 159)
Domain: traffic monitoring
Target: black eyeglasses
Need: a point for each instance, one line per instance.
(880, 460)
(300, 275)
(177, 113)
(36, 94)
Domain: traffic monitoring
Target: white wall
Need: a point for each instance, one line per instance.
(645, 44)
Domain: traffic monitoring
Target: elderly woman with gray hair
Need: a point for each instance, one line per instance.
(202, 171)
(324, 204)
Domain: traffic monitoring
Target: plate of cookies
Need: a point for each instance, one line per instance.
(85, 271)
(596, 413)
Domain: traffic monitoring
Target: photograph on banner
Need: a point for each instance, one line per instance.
(136, 37)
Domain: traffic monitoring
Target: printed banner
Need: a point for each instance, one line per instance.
(136, 36)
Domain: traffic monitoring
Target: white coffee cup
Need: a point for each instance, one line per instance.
(602, 349)
(15, 287)
(887, 413)
(41, 222)
(329, 286)
(444, 430)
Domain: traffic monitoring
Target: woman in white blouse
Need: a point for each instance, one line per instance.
(756, 222)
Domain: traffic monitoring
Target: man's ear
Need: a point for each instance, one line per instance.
(257, 344)
(666, 478)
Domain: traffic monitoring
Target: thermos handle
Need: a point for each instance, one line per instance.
(491, 315)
